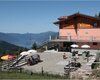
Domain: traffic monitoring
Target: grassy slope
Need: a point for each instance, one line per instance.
(16, 75)
(5, 46)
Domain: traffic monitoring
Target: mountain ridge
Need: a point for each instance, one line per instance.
(26, 39)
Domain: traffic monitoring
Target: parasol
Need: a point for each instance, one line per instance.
(74, 45)
(8, 57)
(85, 46)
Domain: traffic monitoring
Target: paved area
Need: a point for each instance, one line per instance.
(85, 69)
(52, 63)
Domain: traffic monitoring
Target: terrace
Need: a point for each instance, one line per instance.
(75, 39)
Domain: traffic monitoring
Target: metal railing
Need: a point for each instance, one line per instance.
(77, 38)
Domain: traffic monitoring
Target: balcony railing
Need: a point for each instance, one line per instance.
(77, 38)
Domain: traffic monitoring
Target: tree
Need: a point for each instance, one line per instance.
(97, 15)
(34, 46)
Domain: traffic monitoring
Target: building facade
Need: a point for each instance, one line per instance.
(80, 29)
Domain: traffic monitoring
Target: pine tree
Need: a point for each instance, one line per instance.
(96, 15)
(34, 46)
(99, 15)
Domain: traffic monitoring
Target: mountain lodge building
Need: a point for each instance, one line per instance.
(79, 29)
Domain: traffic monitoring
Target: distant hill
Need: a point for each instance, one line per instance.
(27, 39)
(5, 46)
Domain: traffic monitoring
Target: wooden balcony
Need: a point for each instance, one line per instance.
(75, 39)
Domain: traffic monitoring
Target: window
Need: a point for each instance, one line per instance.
(66, 22)
(94, 43)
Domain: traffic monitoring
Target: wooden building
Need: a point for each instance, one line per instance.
(80, 29)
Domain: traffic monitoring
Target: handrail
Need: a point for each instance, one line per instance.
(78, 38)
(43, 43)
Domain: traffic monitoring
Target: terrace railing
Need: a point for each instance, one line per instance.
(77, 38)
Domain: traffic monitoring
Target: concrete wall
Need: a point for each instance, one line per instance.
(83, 34)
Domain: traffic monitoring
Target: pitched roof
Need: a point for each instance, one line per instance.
(62, 18)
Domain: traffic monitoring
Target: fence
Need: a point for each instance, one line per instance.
(77, 38)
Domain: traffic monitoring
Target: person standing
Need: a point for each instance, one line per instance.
(64, 56)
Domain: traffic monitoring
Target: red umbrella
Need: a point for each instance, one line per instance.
(8, 57)
(11, 56)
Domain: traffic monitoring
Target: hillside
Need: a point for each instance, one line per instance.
(6, 47)
(27, 39)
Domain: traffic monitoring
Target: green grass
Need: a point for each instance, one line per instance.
(24, 75)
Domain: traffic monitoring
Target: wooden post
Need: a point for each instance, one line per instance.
(69, 70)
(42, 71)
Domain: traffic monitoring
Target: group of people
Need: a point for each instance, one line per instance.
(74, 55)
